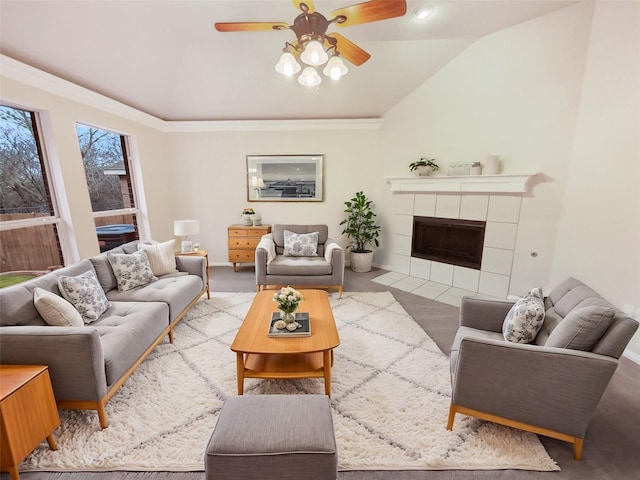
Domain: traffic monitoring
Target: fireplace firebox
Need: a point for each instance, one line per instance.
(448, 240)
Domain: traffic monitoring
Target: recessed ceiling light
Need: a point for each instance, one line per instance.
(422, 12)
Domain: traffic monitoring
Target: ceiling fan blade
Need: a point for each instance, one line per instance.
(349, 50)
(371, 11)
(311, 7)
(249, 26)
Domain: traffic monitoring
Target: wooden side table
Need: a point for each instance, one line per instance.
(243, 240)
(200, 253)
(28, 413)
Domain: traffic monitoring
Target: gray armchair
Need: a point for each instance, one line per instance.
(325, 270)
(536, 387)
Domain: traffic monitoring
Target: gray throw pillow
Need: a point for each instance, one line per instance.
(525, 319)
(581, 328)
(85, 294)
(300, 244)
(131, 270)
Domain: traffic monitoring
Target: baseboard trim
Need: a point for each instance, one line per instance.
(633, 356)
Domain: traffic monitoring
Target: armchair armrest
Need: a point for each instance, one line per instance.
(74, 356)
(553, 388)
(333, 252)
(193, 266)
(484, 314)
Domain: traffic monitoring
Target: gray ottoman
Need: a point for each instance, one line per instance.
(283, 437)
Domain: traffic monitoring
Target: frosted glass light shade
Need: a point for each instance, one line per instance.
(335, 68)
(314, 53)
(287, 65)
(309, 77)
(183, 228)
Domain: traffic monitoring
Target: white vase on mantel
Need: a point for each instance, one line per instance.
(492, 167)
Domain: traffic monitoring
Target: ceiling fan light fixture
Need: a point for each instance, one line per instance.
(287, 65)
(335, 68)
(422, 12)
(314, 54)
(309, 77)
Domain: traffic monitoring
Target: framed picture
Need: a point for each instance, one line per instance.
(285, 178)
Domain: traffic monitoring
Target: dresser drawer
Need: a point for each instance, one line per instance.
(241, 256)
(238, 233)
(243, 243)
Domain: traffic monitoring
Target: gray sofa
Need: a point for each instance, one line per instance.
(324, 270)
(88, 363)
(550, 386)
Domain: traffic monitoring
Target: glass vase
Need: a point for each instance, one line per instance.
(287, 317)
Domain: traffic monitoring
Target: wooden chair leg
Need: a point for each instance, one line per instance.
(102, 415)
(452, 415)
(577, 448)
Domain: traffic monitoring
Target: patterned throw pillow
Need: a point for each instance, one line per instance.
(55, 310)
(131, 270)
(161, 257)
(85, 293)
(525, 319)
(300, 244)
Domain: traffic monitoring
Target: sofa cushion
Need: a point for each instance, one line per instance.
(131, 270)
(581, 328)
(178, 291)
(86, 294)
(525, 318)
(278, 234)
(300, 244)
(161, 257)
(126, 330)
(55, 310)
(299, 266)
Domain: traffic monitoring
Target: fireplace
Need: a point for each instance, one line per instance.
(448, 240)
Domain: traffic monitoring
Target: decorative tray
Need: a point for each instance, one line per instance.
(303, 330)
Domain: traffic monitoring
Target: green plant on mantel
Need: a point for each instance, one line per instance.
(360, 225)
(424, 162)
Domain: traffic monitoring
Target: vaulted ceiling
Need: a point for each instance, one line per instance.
(166, 58)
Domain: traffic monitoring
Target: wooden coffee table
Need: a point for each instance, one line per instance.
(261, 356)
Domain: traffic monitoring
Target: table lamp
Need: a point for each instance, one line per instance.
(184, 228)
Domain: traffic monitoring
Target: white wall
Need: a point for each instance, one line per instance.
(516, 93)
(599, 229)
(209, 176)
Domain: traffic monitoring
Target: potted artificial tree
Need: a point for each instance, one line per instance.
(424, 166)
(361, 228)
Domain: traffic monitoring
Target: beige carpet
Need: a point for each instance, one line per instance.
(390, 400)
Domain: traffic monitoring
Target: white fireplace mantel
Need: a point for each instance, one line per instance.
(501, 183)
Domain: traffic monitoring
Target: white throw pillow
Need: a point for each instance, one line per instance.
(85, 294)
(300, 244)
(525, 319)
(55, 310)
(161, 257)
(131, 270)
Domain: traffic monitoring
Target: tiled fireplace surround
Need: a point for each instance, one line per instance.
(444, 282)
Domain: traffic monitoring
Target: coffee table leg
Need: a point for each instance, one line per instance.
(326, 365)
(240, 371)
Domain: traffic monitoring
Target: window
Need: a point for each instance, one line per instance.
(29, 235)
(107, 170)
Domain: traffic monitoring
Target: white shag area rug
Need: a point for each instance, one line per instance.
(390, 400)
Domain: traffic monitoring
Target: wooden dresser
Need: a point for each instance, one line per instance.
(28, 413)
(243, 240)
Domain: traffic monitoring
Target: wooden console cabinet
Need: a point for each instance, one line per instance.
(28, 413)
(243, 240)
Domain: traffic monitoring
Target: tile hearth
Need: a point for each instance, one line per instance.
(428, 289)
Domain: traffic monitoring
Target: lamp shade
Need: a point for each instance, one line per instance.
(183, 228)
(309, 77)
(335, 68)
(287, 65)
(314, 54)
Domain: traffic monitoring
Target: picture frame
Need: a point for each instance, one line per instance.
(285, 178)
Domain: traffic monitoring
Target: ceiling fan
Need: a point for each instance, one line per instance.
(313, 45)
